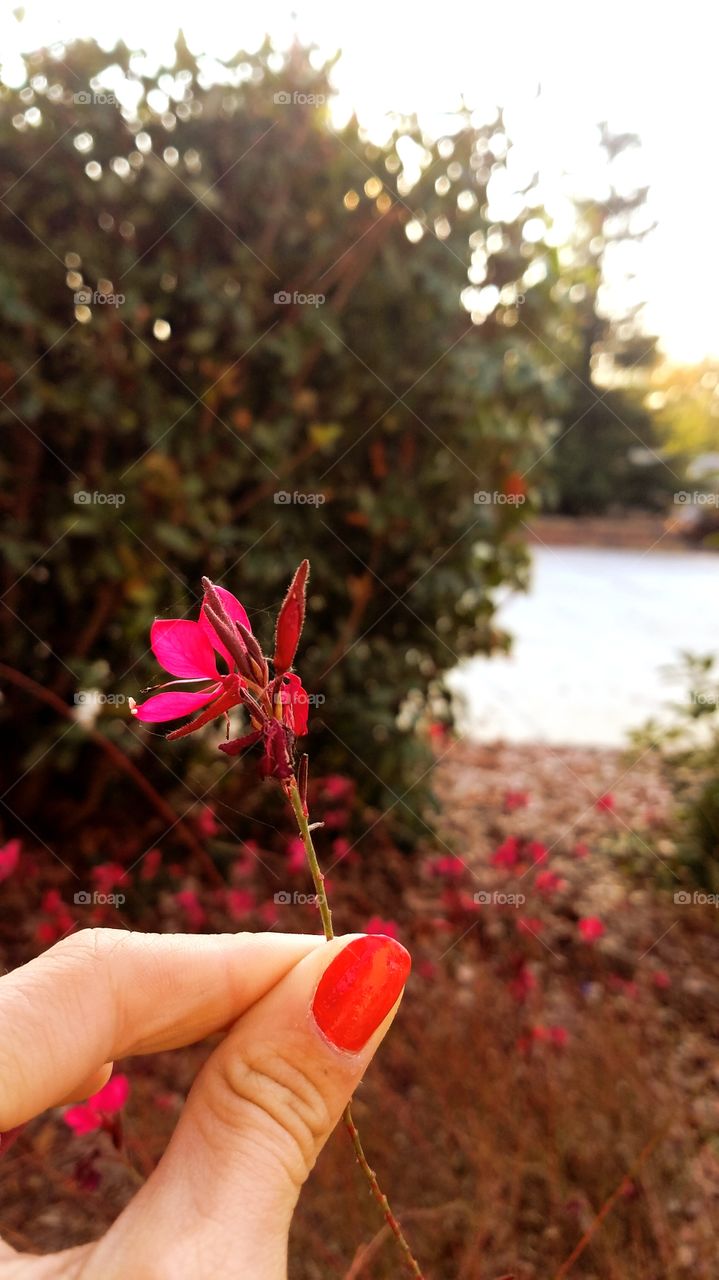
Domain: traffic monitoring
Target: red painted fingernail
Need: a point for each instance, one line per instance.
(358, 989)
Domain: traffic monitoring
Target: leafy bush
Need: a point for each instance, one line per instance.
(689, 746)
(149, 438)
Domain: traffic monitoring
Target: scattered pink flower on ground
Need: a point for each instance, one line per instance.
(606, 803)
(296, 856)
(206, 821)
(507, 855)
(106, 875)
(150, 864)
(537, 851)
(549, 882)
(188, 900)
(335, 787)
(591, 929)
(447, 868)
(530, 924)
(515, 800)
(240, 903)
(581, 849)
(90, 1115)
(661, 979)
(9, 858)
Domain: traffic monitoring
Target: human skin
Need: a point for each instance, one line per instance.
(301, 1019)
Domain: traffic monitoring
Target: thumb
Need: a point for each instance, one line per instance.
(221, 1200)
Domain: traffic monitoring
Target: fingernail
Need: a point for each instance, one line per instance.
(358, 989)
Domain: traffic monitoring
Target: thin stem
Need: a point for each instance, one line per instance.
(326, 917)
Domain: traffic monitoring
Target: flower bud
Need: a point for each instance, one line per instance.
(291, 620)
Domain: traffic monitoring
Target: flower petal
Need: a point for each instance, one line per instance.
(168, 706)
(183, 648)
(112, 1096)
(297, 704)
(82, 1119)
(236, 611)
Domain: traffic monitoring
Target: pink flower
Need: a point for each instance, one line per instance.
(389, 928)
(661, 979)
(207, 823)
(548, 882)
(515, 800)
(581, 849)
(537, 851)
(448, 868)
(90, 1115)
(335, 819)
(151, 864)
(605, 803)
(507, 855)
(335, 787)
(9, 858)
(192, 907)
(240, 903)
(296, 856)
(530, 924)
(591, 929)
(107, 875)
(187, 651)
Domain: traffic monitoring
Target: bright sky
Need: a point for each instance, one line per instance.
(646, 68)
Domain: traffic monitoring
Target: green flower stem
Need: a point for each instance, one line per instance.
(326, 917)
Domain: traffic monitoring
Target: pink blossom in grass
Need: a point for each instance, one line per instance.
(335, 787)
(507, 855)
(106, 875)
(606, 803)
(591, 929)
(447, 868)
(336, 819)
(581, 849)
(389, 928)
(536, 851)
(150, 864)
(296, 856)
(9, 858)
(343, 851)
(268, 914)
(188, 900)
(530, 924)
(206, 822)
(515, 800)
(240, 903)
(549, 882)
(90, 1115)
(661, 980)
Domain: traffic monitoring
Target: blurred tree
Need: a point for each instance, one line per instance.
(213, 301)
(606, 450)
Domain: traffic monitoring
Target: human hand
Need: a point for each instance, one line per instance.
(305, 1017)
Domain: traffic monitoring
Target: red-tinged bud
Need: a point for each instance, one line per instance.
(277, 758)
(291, 620)
(238, 745)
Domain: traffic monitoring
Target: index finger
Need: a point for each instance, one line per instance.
(107, 993)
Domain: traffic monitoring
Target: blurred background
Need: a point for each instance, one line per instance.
(429, 300)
